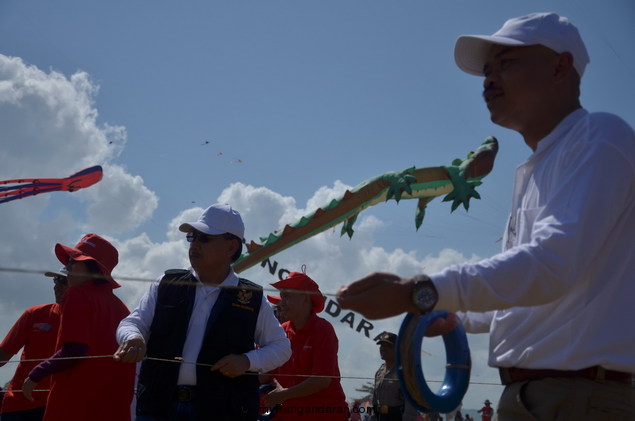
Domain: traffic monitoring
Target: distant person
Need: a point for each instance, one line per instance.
(35, 332)
(356, 412)
(432, 416)
(389, 402)
(308, 385)
(218, 325)
(454, 415)
(554, 300)
(95, 389)
(486, 411)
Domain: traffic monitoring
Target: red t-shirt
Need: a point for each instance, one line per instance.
(486, 413)
(99, 389)
(36, 332)
(313, 352)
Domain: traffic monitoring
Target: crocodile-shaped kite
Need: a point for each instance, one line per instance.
(456, 181)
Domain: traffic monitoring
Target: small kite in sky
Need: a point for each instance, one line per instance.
(19, 188)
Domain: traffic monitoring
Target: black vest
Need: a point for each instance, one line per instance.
(230, 330)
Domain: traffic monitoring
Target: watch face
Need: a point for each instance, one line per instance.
(425, 297)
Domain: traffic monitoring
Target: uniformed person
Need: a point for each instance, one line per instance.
(389, 403)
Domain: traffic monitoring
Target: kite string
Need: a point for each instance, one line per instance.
(147, 280)
(179, 360)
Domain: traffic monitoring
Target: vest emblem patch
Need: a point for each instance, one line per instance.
(244, 296)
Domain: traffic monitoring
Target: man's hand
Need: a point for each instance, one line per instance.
(27, 388)
(378, 296)
(131, 351)
(442, 325)
(276, 396)
(232, 365)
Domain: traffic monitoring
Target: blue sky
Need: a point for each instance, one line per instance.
(298, 100)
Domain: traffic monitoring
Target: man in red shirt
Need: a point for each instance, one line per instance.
(36, 332)
(95, 389)
(487, 411)
(308, 385)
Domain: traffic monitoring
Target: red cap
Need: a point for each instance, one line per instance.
(92, 247)
(273, 300)
(300, 282)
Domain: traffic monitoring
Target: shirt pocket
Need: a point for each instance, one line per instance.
(522, 226)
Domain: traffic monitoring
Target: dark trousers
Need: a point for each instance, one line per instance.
(180, 411)
(389, 417)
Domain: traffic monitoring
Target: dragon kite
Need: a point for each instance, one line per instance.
(457, 181)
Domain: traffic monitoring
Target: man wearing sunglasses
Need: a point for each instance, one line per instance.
(207, 320)
(36, 332)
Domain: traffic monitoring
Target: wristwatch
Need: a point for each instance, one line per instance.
(424, 294)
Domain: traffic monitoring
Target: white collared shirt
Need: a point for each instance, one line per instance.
(560, 293)
(274, 347)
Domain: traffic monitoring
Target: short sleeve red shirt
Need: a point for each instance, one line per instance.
(98, 389)
(36, 332)
(486, 413)
(313, 352)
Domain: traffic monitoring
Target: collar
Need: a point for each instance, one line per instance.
(307, 326)
(230, 281)
(564, 126)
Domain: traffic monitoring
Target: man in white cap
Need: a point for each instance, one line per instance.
(208, 319)
(554, 298)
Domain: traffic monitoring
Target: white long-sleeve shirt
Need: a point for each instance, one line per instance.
(274, 347)
(560, 295)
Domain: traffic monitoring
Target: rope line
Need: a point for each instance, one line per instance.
(179, 360)
(146, 280)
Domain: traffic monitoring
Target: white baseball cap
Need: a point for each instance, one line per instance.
(548, 29)
(218, 219)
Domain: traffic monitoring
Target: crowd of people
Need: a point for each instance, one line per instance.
(205, 339)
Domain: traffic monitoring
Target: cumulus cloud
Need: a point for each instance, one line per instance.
(49, 123)
(333, 261)
(50, 127)
(129, 202)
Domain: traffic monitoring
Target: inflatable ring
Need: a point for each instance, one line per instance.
(409, 370)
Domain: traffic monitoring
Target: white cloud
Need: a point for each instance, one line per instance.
(333, 261)
(49, 128)
(120, 202)
(49, 124)
(259, 207)
(52, 129)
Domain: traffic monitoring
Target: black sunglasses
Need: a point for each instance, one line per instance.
(204, 238)
(60, 280)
